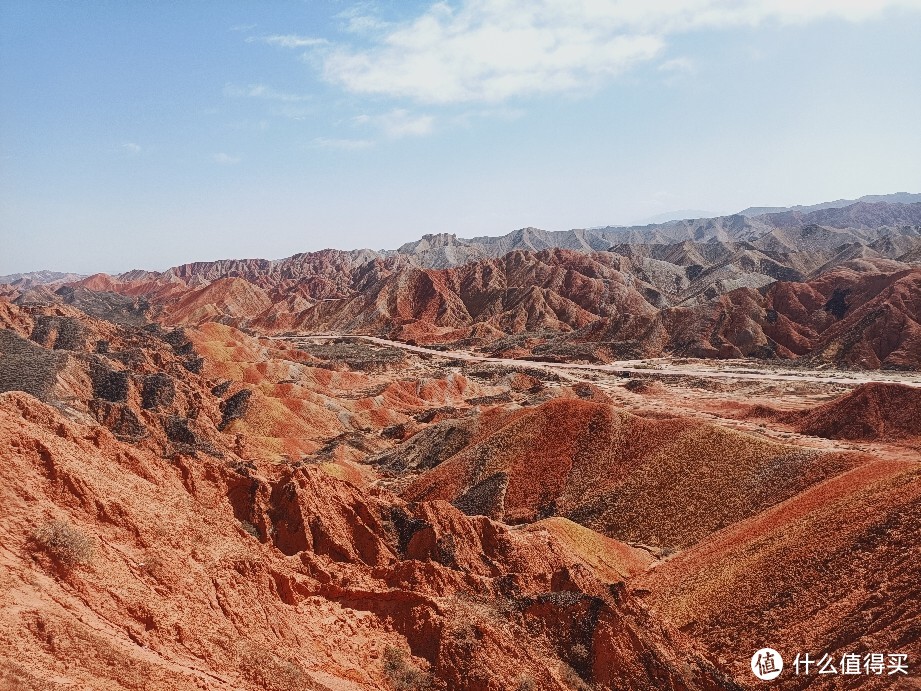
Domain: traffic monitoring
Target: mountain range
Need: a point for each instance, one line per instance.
(837, 285)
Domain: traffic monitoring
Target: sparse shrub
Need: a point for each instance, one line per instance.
(526, 683)
(262, 667)
(571, 678)
(67, 546)
(579, 652)
(250, 528)
(402, 674)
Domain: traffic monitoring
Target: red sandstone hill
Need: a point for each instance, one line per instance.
(557, 290)
(852, 318)
(833, 570)
(600, 305)
(845, 317)
(183, 509)
(152, 539)
(190, 574)
(201, 389)
(667, 483)
(869, 412)
(223, 299)
(829, 284)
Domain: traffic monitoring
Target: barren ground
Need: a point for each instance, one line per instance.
(716, 391)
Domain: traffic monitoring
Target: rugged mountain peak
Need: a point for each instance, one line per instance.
(431, 241)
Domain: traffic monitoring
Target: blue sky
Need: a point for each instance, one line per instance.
(144, 135)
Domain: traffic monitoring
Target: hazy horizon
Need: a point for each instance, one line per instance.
(151, 136)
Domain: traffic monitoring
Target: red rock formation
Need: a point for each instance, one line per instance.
(640, 301)
(833, 570)
(224, 298)
(187, 509)
(869, 412)
(573, 304)
(199, 575)
(666, 483)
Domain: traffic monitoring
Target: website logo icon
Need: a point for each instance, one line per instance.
(767, 664)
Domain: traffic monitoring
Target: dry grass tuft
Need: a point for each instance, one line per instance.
(402, 674)
(67, 546)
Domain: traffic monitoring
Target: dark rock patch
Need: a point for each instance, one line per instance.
(118, 309)
(27, 367)
(485, 498)
(220, 389)
(178, 431)
(837, 305)
(58, 333)
(108, 384)
(157, 391)
(120, 419)
(193, 364)
(234, 407)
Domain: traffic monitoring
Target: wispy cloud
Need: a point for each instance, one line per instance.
(679, 66)
(490, 51)
(468, 117)
(294, 111)
(226, 159)
(264, 92)
(398, 123)
(288, 41)
(131, 149)
(362, 19)
(342, 144)
(243, 27)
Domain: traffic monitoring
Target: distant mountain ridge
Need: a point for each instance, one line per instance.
(896, 198)
(862, 220)
(866, 220)
(840, 284)
(34, 278)
(677, 215)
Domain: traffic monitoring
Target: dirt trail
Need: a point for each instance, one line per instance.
(672, 400)
(658, 366)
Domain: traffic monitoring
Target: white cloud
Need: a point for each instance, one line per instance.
(398, 123)
(679, 66)
(263, 91)
(288, 41)
(226, 159)
(131, 149)
(363, 24)
(343, 144)
(492, 50)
